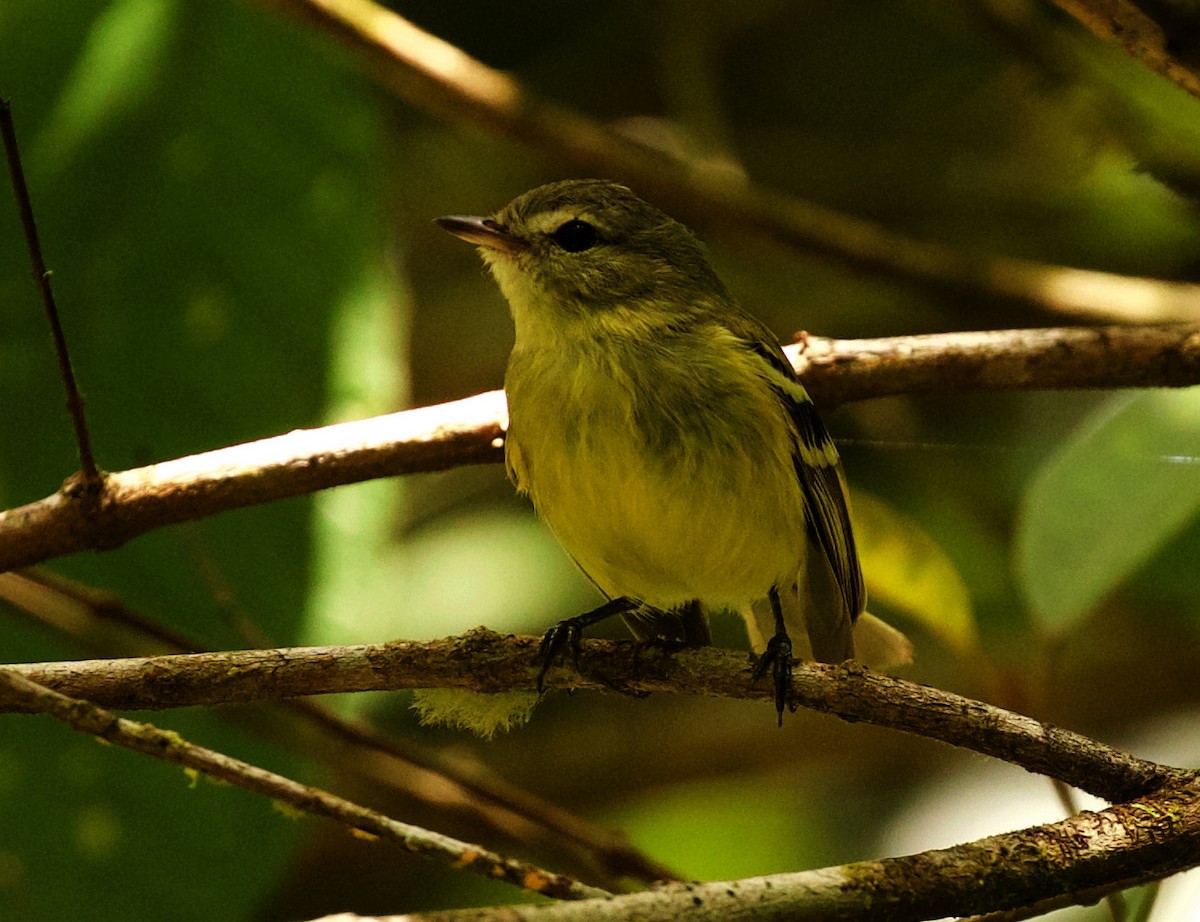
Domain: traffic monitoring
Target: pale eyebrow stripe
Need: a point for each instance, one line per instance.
(549, 221)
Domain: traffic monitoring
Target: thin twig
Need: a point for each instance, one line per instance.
(471, 431)
(439, 78)
(487, 662)
(90, 479)
(86, 717)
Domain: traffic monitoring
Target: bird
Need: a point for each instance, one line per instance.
(663, 436)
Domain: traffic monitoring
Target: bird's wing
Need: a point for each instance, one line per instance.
(818, 468)
(824, 485)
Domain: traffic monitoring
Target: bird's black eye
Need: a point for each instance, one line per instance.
(576, 236)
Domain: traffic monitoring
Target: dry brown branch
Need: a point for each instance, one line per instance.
(435, 76)
(470, 431)
(19, 692)
(486, 662)
(1139, 34)
(1083, 858)
(1001, 360)
(140, 500)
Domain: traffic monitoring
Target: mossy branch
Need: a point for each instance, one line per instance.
(486, 662)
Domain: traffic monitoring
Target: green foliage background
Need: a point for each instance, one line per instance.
(239, 225)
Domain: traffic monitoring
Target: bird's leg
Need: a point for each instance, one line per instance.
(778, 658)
(569, 631)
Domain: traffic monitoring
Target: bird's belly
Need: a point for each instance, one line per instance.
(668, 525)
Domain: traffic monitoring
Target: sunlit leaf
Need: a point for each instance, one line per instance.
(1118, 489)
(671, 826)
(906, 569)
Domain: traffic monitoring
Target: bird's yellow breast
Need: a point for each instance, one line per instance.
(668, 483)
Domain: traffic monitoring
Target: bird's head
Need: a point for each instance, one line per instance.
(584, 248)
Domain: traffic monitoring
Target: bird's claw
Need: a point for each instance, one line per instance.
(778, 659)
(568, 634)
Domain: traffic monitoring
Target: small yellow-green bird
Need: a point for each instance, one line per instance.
(662, 434)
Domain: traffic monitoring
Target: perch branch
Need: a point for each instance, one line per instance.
(486, 662)
(73, 609)
(470, 431)
(439, 78)
(19, 692)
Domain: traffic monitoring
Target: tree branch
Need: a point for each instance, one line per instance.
(1083, 857)
(20, 693)
(470, 431)
(1140, 35)
(1076, 860)
(487, 662)
(140, 500)
(436, 77)
(839, 371)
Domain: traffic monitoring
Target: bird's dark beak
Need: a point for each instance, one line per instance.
(483, 232)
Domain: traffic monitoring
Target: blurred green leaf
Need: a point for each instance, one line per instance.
(205, 188)
(355, 527)
(124, 51)
(1115, 492)
(906, 569)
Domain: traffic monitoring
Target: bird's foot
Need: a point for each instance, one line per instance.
(567, 634)
(777, 659)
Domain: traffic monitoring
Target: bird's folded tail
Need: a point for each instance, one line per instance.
(879, 645)
(875, 643)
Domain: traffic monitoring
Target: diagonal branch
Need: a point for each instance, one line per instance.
(17, 691)
(439, 78)
(487, 662)
(1140, 35)
(1074, 861)
(471, 431)
(140, 500)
